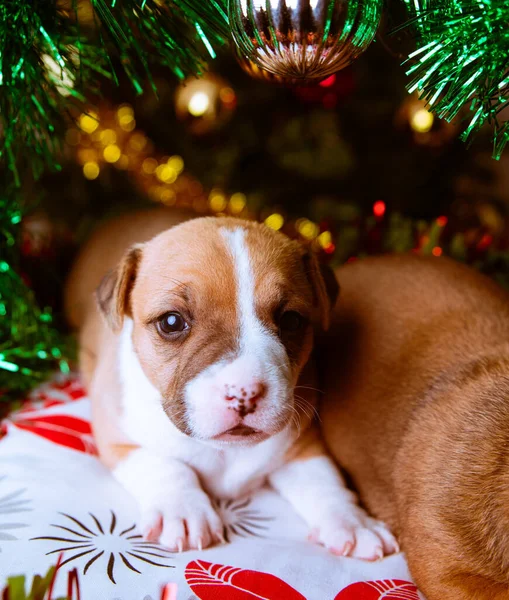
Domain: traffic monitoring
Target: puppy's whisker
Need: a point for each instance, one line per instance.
(307, 407)
(308, 387)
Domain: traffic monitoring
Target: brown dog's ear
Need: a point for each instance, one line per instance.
(325, 287)
(113, 292)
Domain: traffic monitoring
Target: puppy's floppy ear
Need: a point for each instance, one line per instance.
(325, 286)
(113, 292)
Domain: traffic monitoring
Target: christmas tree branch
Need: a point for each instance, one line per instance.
(53, 55)
(462, 62)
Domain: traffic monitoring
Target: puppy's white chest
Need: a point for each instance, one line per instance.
(233, 472)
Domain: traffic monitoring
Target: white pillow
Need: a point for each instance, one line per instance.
(57, 499)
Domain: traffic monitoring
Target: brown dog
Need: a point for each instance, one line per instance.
(417, 411)
(191, 355)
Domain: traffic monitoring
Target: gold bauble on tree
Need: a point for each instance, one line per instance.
(301, 40)
(205, 104)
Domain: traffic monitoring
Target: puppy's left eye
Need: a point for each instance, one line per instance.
(291, 321)
(170, 324)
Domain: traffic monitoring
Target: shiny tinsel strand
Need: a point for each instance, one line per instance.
(30, 347)
(462, 61)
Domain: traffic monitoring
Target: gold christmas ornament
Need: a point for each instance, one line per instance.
(425, 127)
(303, 39)
(205, 104)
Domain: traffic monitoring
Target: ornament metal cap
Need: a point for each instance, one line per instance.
(303, 39)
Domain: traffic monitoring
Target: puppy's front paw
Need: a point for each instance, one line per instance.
(351, 532)
(182, 521)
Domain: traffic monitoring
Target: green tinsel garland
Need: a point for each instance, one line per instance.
(30, 348)
(462, 61)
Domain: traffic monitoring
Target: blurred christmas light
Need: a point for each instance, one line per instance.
(329, 81)
(165, 173)
(176, 163)
(237, 203)
(149, 166)
(205, 103)
(437, 251)
(325, 239)
(91, 170)
(167, 196)
(485, 242)
(275, 221)
(88, 122)
(422, 121)
(112, 153)
(442, 221)
(108, 136)
(198, 104)
(379, 209)
(125, 117)
(217, 201)
(425, 127)
(308, 229)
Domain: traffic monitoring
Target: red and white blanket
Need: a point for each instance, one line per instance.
(57, 500)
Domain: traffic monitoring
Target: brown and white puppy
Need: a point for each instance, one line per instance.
(417, 411)
(192, 375)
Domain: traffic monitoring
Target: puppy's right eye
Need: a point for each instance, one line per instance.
(291, 322)
(170, 324)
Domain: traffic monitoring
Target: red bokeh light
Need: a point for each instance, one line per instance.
(329, 81)
(379, 209)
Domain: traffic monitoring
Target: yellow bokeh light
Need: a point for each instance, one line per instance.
(127, 123)
(91, 170)
(125, 110)
(325, 239)
(108, 136)
(198, 104)
(176, 163)
(88, 122)
(237, 203)
(422, 121)
(165, 173)
(112, 153)
(217, 201)
(275, 221)
(149, 166)
(308, 229)
(138, 141)
(167, 196)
